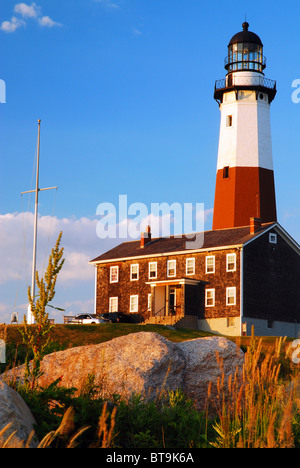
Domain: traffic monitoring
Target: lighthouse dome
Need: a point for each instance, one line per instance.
(246, 36)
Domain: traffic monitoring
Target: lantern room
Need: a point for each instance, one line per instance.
(245, 52)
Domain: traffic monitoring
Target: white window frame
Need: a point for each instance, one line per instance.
(228, 262)
(192, 266)
(149, 271)
(229, 290)
(206, 264)
(113, 308)
(111, 274)
(169, 268)
(132, 272)
(207, 291)
(134, 306)
(272, 238)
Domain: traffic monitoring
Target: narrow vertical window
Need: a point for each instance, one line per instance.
(113, 304)
(209, 297)
(230, 296)
(171, 268)
(190, 266)
(153, 270)
(228, 120)
(114, 274)
(226, 172)
(134, 304)
(134, 272)
(231, 262)
(210, 264)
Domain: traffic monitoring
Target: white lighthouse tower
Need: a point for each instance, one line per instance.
(245, 179)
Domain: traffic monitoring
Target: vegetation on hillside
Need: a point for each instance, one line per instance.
(262, 408)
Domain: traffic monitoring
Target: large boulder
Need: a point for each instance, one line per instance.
(143, 363)
(136, 363)
(16, 419)
(210, 362)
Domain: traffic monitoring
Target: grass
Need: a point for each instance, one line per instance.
(261, 409)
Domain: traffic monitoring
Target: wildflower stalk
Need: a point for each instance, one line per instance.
(37, 337)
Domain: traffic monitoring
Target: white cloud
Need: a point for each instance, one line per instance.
(12, 25)
(75, 282)
(27, 12)
(48, 22)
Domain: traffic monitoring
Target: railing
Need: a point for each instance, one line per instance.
(71, 319)
(161, 314)
(243, 80)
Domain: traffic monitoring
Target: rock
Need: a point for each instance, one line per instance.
(143, 363)
(138, 363)
(14, 411)
(207, 360)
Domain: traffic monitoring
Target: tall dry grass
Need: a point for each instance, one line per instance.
(257, 408)
(260, 408)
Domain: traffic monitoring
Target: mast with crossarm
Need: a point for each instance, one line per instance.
(30, 317)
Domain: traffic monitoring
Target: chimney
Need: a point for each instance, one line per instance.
(145, 237)
(255, 225)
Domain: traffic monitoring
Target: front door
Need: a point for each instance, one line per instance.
(172, 301)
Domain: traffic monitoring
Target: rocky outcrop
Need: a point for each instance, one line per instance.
(144, 363)
(16, 420)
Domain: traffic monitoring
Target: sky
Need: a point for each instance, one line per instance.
(124, 91)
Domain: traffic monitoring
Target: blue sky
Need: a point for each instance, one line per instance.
(124, 90)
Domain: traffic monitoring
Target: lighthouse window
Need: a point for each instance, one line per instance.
(226, 172)
(229, 121)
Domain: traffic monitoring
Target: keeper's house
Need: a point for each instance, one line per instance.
(241, 277)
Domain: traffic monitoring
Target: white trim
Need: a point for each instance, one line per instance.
(110, 274)
(167, 254)
(193, 265)
(136, 308)
(273, 238)
(175, 281)
(227, 256)
(149, 303)
(152, 263)
(137, 273)
(279, 229)
(214, 264)
(241, 289)
(212, 290)
(111, 299)
(169, 262)
(95, 293)
(233, 288)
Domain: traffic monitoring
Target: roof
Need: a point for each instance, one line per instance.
(245, 36)
(220, 238)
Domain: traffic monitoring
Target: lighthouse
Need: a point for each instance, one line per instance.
(245, 178)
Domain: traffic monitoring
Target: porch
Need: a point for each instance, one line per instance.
(174, 301)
